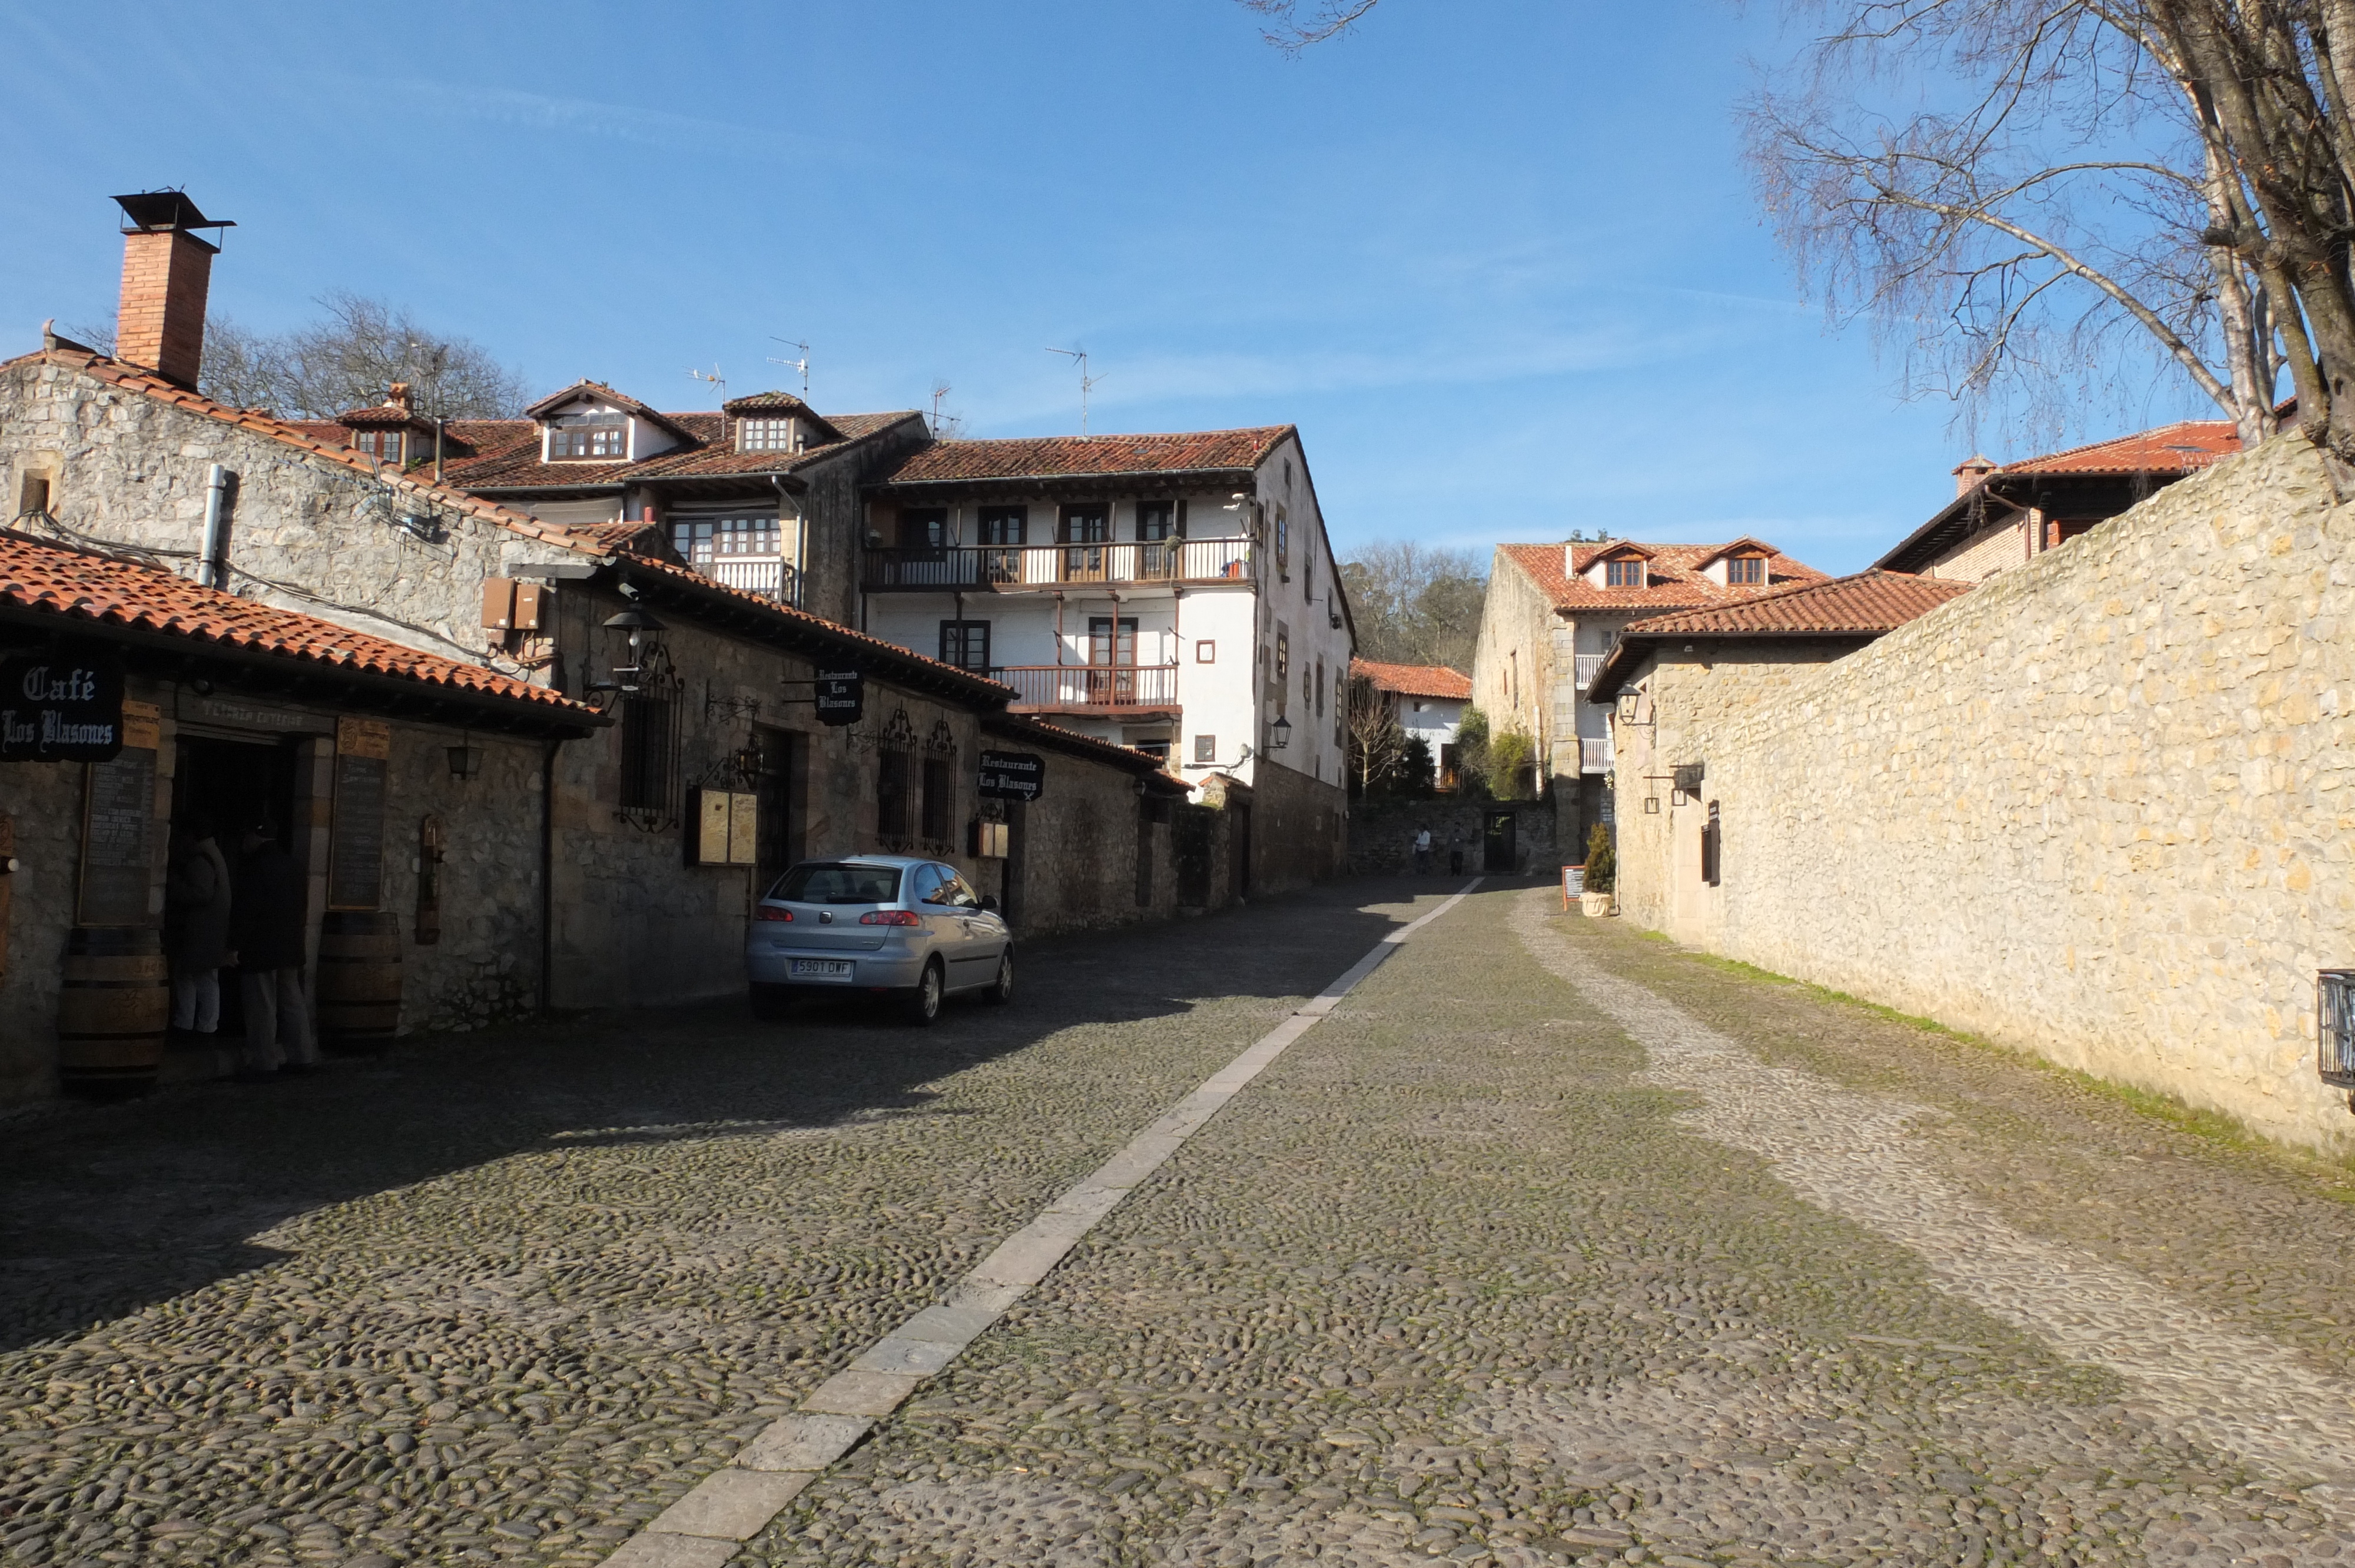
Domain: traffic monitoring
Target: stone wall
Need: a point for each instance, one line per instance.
(1299, 829)
(2099, 807)
(1382, 834)
(1077, 848)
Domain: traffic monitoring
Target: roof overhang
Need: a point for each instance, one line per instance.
(1155, 482)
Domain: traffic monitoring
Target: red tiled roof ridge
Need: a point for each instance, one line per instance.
(1127, 754)
(133, 379)
(1887, 599)
(1414, 680)
(1002, 458)
(2029, 464)
(1675, 583)
(60, 579)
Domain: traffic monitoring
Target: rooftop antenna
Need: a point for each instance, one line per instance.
(1087, 383)
(722, 381)
(940, 391)
(801, 364)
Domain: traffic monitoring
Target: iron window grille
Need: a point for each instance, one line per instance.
(891, 798)
(1713, 849)
(2334, 1017)
(650, 747)
(940, 799)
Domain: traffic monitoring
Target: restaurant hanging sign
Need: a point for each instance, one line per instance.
(1012, 774)
(841, 696)
(57, 707)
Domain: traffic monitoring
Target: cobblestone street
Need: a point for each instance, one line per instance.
(1550, 1244)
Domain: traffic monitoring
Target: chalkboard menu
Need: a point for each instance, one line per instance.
(356, 850)
(118, 838)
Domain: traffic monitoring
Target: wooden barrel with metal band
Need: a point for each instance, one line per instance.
(359, 1000)
(113, 1011)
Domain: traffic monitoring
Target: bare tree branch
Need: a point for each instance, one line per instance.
(1296, 24)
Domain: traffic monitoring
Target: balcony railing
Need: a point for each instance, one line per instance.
(768, 576)
(1594, 754)
(1013, 567)
(1588, 664)
(1089, 685)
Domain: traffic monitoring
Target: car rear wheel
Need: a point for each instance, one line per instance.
(922, 1005)
(1001, 990)
(770, 1002)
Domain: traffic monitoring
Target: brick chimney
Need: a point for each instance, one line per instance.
(1973, 470)
(166, 271)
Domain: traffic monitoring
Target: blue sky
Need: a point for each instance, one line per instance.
(1508, 279)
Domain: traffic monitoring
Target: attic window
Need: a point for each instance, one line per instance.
(1746, 571)
(1624, 571)
(769, 436)
(577, 436)
(385, 446)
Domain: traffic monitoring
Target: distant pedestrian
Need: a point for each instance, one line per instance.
(1423, 849)
(1455, 853)
(266, 925)
(196, 920)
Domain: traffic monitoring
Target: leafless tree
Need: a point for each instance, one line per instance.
(1377, 740)
(2039, 230)
(347, 359)
(1293, 25)
(1413, 605)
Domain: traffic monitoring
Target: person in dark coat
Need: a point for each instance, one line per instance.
(196, 913)
(267, 928)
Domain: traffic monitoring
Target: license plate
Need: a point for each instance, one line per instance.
(821, 969)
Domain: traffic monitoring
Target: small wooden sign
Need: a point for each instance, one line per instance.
(727, 828)
(363, 737)
(1012, 776)
(841, 696)
(1573, 883)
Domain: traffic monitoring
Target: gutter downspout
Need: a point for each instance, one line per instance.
(548, 876)
(212, 565)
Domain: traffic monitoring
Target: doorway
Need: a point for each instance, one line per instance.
(232, 784)
(779, 829)
(1499, 843)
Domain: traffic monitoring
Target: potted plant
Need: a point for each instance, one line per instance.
(1601, 874)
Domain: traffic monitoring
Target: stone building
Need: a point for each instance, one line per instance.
(410, 788)
(2004, 516)
(2096, 808)
(1177, 594)
(1551, 615)
(1672, 685)
(716, 769)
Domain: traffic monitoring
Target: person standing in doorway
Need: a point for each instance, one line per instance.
(1423, 849)
(196, 914)
(266, 923)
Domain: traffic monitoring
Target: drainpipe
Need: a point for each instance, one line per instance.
(212, 565)
(548, 875)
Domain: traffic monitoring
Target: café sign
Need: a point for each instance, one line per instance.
(56, 707)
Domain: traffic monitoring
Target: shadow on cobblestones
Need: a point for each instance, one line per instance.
(503, 1295)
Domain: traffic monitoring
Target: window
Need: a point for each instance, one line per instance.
(1283, 541)
(385, 446)
(1626, 571)
(965, 644)
(1746, 571)
(1206, 653)
(1713, 849)
(923, 531)
(1283, 659)
(1159, 520)
(1320, 688)
(891, 795)
(767, 436)
(649, 743)
(939, 799)
(33, 497)
(1205, 748)
(587, 435)
(818, 883)
(701, 540)
(1086, 525)
(1004, 525)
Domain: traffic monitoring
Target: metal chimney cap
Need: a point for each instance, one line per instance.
(152, 212)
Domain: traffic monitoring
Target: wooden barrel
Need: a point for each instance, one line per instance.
(113, 1011)
(359, 982)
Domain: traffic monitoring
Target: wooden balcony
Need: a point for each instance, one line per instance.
(1588, 664)
(1017, 568)
(1089, 688)
(1594, 754)
(767, 576)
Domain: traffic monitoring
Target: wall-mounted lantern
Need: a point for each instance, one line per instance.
(1279, 734)
(465, 759)
(644, 639)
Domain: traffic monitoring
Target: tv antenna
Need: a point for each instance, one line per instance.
(801, 364)
(713, 376)
(1087, 383)
(940, 391)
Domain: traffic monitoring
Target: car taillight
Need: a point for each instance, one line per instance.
(771, 912)
(890, 918)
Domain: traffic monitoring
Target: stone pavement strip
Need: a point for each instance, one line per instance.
(731, 1506)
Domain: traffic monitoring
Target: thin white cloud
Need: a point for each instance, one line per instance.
(591, 117)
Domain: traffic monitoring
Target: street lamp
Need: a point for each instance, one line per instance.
(646, 636)
(1279, 734)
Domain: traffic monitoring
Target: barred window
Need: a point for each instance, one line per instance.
(891, 795)
(939, 799)
(649, 753)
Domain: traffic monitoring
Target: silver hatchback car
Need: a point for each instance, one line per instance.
(887, 923)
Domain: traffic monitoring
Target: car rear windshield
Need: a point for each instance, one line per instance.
(818, 883)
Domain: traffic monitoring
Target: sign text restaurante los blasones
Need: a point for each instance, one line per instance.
(55, 708)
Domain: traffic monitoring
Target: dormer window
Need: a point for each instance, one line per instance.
(1745, 571)
(387, 446)
(770, 435)
(1624, 571)
(597, 436)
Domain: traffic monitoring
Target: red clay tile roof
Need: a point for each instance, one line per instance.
(79, 586)
(598, 390)
(507, 454)
(1867, 602)
(1674, 570)
(1071, 457)
(336, 448)
(1414, 680)
(1029, 726)
(2181, 448)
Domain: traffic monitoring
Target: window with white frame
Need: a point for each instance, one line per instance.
(578, 437)
(768, 436)
(700, 540)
